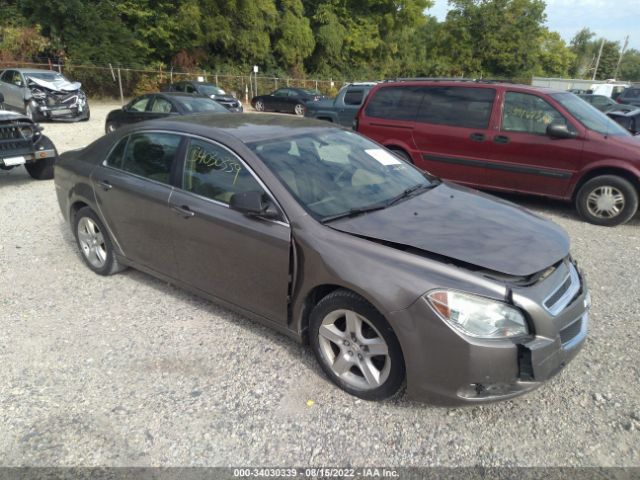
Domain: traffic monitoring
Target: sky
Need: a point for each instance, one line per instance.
(611, 19)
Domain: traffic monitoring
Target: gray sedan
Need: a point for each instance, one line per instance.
(391, 275)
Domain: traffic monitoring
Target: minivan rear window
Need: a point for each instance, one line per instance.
(455, 106)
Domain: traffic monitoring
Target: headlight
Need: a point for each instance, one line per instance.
(477, 316)
(27, 132)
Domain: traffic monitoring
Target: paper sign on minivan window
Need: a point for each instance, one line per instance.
(384, 157)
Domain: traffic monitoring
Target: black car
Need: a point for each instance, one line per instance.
(630, 96)
(289, 100)
(208, 90)
(601, 102)
(159, 105)
(629, 120)
(22, 143)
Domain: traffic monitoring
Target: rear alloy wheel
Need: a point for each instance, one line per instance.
(259, 106)
(299, 109)
(607, 200)
(94, 243)
(356, 347)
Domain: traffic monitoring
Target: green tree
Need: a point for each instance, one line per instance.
(555, 58)
(630, 66)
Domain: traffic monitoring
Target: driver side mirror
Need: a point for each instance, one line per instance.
(252, 205)
(558, 130)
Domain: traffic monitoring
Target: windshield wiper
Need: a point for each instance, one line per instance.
(409, 192)
(354, 212)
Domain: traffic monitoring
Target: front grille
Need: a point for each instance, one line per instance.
(570, 332)
(12, 141)
(560, 298)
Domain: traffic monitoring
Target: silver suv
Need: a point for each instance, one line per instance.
(43, 95)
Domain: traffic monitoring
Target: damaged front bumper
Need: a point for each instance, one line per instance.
(52, 107)
(457, 369)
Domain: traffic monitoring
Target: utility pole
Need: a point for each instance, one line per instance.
(595, 70)
(624, 48)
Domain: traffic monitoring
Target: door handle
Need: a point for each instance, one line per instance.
(501, 139)
(184, 211)
(105, 185)
(477, 137)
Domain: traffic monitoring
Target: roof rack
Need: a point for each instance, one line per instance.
(447, 79)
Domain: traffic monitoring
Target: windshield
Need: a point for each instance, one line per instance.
(211, 90)
(200, 104)
(336, 172)
(589, 116)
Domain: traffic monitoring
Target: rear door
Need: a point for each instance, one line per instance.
(220, 251)
(132, 189)
(137, 111)
(524, 158)
(452, 132)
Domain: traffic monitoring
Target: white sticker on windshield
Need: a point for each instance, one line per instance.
(384, 157)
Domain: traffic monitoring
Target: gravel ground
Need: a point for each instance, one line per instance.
(131, 371)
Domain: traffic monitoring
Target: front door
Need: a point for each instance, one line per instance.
(220, 251)
(524, 157)
(13, 90)
(132, 190)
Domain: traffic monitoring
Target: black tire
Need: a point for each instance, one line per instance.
(346, 300)
(31, 112)
(401, 154)
(620, 186)
(86, 115)
(43, 169)
(111, 264)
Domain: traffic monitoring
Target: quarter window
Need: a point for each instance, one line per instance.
(527, 113)
(457, 106)
(395, 103)
(161, 105)
(353, 97)
(215, 173)
(148, 155)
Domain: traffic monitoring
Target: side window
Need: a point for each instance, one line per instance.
(465, 107)
(283, 92)
(215, 173)
(353, 96)
(395, 103)
(140, 105)
(189, 88)
(117, 154)
(527, 113)
(150, 155)
(7, 75)
(161, 105)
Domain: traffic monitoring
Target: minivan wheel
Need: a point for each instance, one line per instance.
(607, 200)
(401, 154)
(356, 347)
(94, 243)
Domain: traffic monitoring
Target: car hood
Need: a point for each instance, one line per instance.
(467, 226)
(9, 115)
(59, 86)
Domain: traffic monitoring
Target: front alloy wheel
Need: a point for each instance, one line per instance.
(356, 347)
(299, 109)
(259, 106)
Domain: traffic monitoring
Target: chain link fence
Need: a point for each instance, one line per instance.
(124, 83)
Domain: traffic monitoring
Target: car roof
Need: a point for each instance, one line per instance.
(33, 70)
(468, 83)
(245, 127)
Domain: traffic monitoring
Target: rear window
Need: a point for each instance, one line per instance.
(631, 93)
(395, 103)
(353, 97)
(455, 106)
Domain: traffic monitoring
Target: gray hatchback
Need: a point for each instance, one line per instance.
(391, 275)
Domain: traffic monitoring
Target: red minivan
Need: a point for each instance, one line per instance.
(511, 138)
